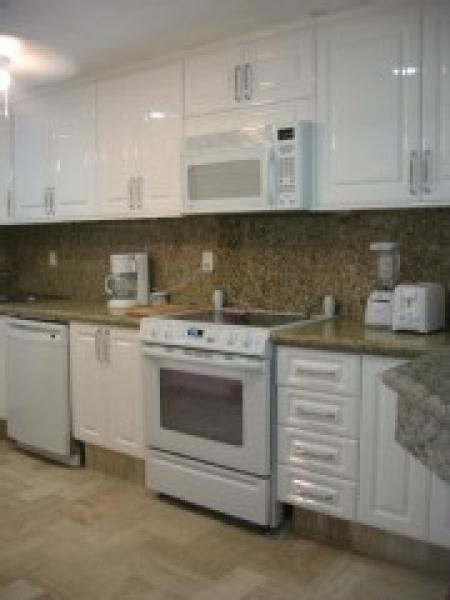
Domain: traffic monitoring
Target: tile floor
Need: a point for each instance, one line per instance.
(75, 534)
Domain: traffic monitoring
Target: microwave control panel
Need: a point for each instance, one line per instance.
(293, 165)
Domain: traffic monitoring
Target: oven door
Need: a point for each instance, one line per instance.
(208, 406)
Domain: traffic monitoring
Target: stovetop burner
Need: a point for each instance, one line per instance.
(249, 318)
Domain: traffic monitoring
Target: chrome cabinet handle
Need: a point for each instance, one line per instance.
(9, 207)
(248, 81)
(413, 159)
(106, 346)
(131, 185)
(52, 200)
(46, 202)
(139, 184)
(237, 83)
(427, 171)
(97, 345)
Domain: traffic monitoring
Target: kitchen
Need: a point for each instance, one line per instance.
(131, 156)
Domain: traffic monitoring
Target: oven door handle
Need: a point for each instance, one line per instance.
(241, 365)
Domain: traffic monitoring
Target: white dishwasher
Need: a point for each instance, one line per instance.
(37, 383)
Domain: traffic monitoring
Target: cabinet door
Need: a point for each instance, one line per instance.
(3, 396)
(213, 81)
(72, 167)
(31, 158)
(88, 385)
(440, 512)
(279, 68)
(159, 128)
(393, 485)
(125, 397)
(368, 110)
(436, 104)
(6, 178)
(116, 144)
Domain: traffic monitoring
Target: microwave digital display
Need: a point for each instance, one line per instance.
(287, 133)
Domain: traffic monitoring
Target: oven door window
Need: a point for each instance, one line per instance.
(203, 406)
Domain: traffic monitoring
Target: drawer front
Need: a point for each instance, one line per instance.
(325, 454)
(323, 494)
(331, 372)
(337, 415)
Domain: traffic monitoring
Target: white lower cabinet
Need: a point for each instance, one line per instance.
(394, 486)
(318, 429)
(440, 512)
(106, 390)
(3, 396)
(337, 453)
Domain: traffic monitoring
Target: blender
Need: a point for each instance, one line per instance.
(380, 301)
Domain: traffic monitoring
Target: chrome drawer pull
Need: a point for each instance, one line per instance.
(303, 450)
(309, 412)
(310, 494)
(312, 369)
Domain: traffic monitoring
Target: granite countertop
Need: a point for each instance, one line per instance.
(423, 410)
(344, 335)
(72, 310)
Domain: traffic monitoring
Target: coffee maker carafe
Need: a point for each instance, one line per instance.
(127, 283)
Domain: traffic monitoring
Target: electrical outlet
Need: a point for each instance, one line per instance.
(52, 258)
(207, 261)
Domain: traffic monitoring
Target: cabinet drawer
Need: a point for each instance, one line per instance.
(322, 453)
(337, 415)
(323, 494)
(332, 372)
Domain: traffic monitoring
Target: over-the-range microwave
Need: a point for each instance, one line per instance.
(251, 169)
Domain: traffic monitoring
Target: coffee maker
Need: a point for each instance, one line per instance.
(127, 284)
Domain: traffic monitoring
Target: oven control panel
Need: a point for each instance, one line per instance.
(224, 338)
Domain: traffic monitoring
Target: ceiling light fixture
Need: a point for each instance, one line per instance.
(5, 82)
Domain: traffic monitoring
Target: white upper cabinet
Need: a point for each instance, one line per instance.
(55, 155)
(394, 486)
(139, 129)
(279, 68)
(368, 109)
(6, 173)
(268, 70)
(436, 104)
(72, 166)
(31, 159)
(213, 81)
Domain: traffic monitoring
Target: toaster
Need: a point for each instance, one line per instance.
(418, 307)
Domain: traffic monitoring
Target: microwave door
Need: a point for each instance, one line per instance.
(222, 181)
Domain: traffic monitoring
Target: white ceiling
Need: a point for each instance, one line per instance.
(105, 34)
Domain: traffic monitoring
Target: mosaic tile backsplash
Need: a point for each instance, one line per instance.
(285, 262)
